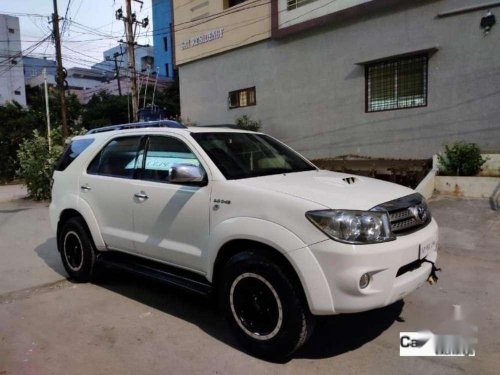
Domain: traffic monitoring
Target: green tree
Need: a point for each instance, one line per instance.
(36, 102)
(169, 99)
(246, 123)
(461, 159)
(16, 123)
(105, 109)
(36, 164)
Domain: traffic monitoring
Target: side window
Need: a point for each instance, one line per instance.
(72, 151)
(119, 158)
(162, 154)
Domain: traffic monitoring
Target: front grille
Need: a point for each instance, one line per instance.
(407, 214)
(402, 224)
(400, 215)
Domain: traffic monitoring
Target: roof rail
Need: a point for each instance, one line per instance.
(230, 126)
(135, 125)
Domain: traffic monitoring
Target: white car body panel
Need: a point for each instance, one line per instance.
(172, 225)
(111, 199)
(186, 226)
(330, 190)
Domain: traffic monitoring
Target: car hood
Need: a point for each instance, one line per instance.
(332, 189)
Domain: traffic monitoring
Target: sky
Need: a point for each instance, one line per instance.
(90, 30)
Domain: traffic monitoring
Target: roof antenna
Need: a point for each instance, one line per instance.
(146, 88)
(154, 88)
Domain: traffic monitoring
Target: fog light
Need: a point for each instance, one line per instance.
(364, 281)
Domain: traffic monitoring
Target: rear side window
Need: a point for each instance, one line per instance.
(119, 158)
(72, 151)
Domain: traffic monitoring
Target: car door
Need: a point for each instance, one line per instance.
(108, 186)
(172, 220)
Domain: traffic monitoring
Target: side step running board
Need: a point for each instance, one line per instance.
(157, 271)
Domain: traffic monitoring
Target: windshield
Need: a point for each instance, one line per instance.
(243, 155)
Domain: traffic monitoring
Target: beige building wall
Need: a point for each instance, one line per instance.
(207, 27)
(310, 10)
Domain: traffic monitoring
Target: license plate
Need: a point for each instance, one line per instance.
(425, 249)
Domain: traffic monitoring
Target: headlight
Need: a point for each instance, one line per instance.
(354, 227)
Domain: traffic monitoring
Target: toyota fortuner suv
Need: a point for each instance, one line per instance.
(241, 216)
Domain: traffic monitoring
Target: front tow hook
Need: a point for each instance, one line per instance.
(432, 279)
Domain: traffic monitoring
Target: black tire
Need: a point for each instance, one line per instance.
(253, 290)
(77, 250)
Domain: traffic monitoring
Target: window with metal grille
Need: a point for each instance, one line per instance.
(242, 98)
(294, 4)
(396, 84)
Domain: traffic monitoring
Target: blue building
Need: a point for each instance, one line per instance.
(163, 38)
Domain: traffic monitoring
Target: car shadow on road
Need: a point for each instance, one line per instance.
(47, 251)
(337, 334)
(334, 335)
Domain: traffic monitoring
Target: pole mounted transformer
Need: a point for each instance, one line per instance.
(131, 24)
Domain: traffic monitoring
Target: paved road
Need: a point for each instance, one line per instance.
(12, 192)
(125, 325)
(27, 255)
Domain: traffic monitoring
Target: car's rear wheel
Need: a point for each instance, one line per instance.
(77, 250)
(263, 307)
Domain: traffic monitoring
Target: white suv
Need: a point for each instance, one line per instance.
(241, 216)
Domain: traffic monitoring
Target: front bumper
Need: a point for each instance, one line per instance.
(343, 265)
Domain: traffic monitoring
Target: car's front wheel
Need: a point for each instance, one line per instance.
(262, 304)
(77, 250)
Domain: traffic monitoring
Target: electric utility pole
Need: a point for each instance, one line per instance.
(131, 59)
(117, 70)
(131, 24)
(60, 72)
(117, 74)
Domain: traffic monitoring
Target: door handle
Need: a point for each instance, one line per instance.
(85, 187)
(141, 195)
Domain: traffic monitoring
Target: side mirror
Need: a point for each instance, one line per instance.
(186, 173)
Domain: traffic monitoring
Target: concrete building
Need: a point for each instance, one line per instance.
(144, 59)
(111, 87)
(163, 38)
(381, 78)
(11, 62)
(79, 80)
(33, 66)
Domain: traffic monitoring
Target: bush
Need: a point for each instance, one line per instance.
(36, 165)
(461, 159)
(16, 123)
(246, 123)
